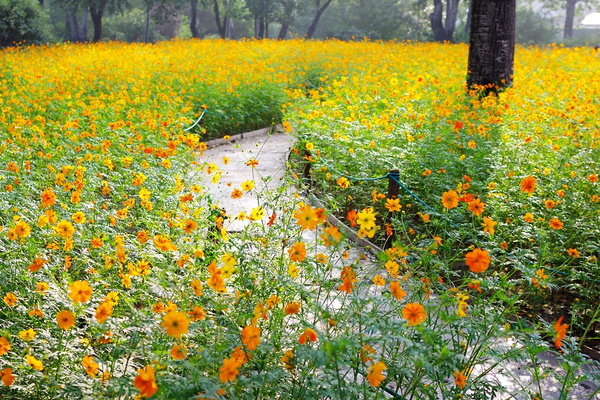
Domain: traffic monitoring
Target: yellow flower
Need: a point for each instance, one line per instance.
(27, 335)
(393, 205)
(65, 229)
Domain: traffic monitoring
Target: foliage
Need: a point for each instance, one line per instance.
(120, 276)
(534, 28)
(21, 21)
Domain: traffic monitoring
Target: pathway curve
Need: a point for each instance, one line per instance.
(271, 149)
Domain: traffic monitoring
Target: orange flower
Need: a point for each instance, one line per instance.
(555, 223)
(528, 217)
(349, 277)
(288, 359)
(48, 197)
(478, 260)
(297, 252)
(393, 205)
(189, 225)
(528, 184)
(91, 366)
(197, 314)
(229, 370)
(176, 323)
(561, 332)
(4, 345)
(450, 199)
(488, 225)
(292, 308)
(414, 313)
(34, 363)
(253, 162)
(396, 290)
(65, 319)
(104, 310)
(145, 381)
(352, 216)
(460, 379)
(178, 352)
(251, 337)
(307, 217)
(375, 376)
(7, 376)
(477, 207)
(331, 236)
(163, 243)
(37, 263)
(80, 292)
(308, 334)
(10, 299)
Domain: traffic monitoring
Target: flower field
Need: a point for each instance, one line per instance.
(119, 277)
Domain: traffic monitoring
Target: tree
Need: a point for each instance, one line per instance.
(262, 11)
(492, 44)
(194, 18)
(320, 10)
(443, 31)
(287, 8)
(569, 17)
(20, 20)
(96, 9)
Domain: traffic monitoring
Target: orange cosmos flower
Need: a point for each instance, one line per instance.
(176, 323)
(396, 290)
(7, 376)
(251, 337)
(528, 184)
(163, 243)
(80, 291)
(476, 207)
(37, 263)
(528, 217)
(288, 360)
(237, 193)
(178, 352)
(375, 376)
(104, 310)
(48, 197)
(65, 319)
(189, 225)
(393, 205)
(197, 314)
(253, 162)
(352, 216)
(4, 345)
(308, 334)
(331, 235)
(297, 252)
(561, 332)
(145, 381)
(460, 379)
(10, 299)
(22, 229)
(91, 366)
(34, 362)
(450, 199)
(229, 370)
(488, 225)
(478, 260)
(414, 313)
(292, 308)
(555, 223)
(307, 217)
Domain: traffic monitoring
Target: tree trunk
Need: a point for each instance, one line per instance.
(84, 24)
(41, 3)
(147, 28)
(221, 27)
(285, 25)
(74, 27)
(468, 24)
(492, 44)
(443, 31)
(570, 16)
(313, 26)
(97, 22)
(193, 19)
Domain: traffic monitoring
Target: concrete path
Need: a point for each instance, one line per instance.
(234, 159)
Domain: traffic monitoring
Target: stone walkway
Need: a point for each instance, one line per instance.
(271, 150)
